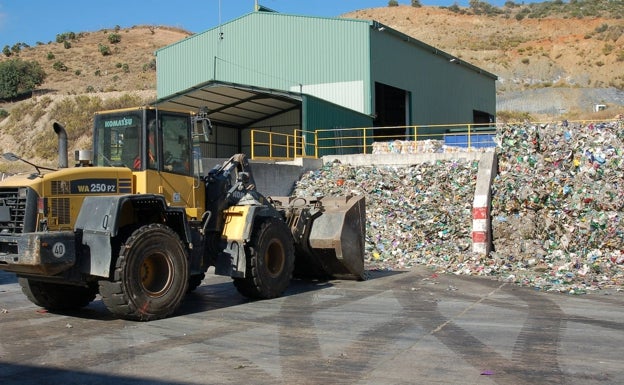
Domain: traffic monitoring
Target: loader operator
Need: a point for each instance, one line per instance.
(132, 148)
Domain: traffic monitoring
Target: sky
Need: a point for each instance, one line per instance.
(32, 21)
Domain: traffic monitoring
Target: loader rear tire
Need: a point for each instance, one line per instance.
(151, 275)
(270, 261)
(57, 297)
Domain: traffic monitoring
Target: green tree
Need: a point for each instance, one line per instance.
(7, 51)
(16, 48)
(393, 3)
(18, 77)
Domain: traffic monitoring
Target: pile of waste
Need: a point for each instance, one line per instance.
(557, 206)
(557, 209)
(417, 214)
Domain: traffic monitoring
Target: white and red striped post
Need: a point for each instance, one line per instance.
(481, 237)
(481, 221)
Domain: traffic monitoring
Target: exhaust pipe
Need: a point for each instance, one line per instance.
(62, 144)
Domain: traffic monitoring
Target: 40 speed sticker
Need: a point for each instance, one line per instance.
(58, 249)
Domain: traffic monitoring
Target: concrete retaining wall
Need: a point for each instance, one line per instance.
(272, 178)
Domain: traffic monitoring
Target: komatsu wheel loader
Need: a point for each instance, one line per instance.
(137, 222)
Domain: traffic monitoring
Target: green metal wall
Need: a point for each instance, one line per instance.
(326, 57)
(441, 91)
(318, 114)
(335, 64)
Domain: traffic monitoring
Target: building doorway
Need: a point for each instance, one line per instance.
(391, 110)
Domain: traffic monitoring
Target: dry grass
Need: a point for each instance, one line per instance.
(90, 71)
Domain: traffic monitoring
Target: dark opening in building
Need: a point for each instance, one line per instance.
(391, 111)
(481, 117)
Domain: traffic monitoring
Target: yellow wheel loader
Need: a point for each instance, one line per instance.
(137, 222)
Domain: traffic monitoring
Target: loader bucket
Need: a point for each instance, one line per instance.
(329, 236)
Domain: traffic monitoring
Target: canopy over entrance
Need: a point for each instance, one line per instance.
(233, 105)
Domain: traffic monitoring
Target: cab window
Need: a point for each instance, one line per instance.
(176, 144)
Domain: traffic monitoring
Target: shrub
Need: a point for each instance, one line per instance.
(3, 113)
(525, 60)
(416, 3)
(59, 66)
(454, 8)
(393, 3)
(50, 56)
(483, 8)
(63, 37)
(7, 51)
(607, 49)
(114, 38)
(151, 66)
(125, 68)
(66, 44)
(104, 49)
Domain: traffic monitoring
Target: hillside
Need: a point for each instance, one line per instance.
(553, 66)
(523, 53)
(81, 67)
(556, 53)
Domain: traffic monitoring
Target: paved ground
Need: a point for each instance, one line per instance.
(396, 328)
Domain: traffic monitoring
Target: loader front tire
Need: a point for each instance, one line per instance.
(151, 275)
(57, 297)
(195, 281)
(270, 261)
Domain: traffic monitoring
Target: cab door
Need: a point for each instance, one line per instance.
(178, 183)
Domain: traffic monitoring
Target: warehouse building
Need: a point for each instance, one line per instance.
(279, 72)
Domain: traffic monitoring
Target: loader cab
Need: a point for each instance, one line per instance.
(156, 145)
(143, 139)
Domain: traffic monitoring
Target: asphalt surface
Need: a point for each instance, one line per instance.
(395, 328)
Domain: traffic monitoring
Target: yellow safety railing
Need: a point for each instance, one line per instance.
(370, 140)
(279, 146)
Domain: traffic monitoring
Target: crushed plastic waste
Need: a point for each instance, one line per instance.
(416, 214)
(421, 147)
(557, 206)
(557, 209)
